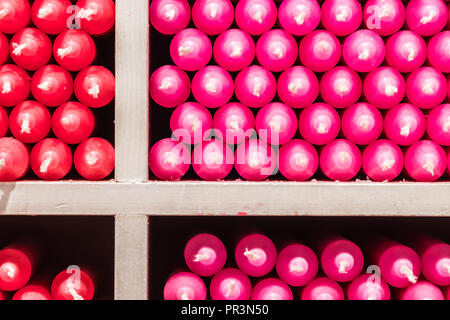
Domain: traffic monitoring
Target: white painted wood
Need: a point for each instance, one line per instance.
(131, 258)
(226, 198)
(132, 95)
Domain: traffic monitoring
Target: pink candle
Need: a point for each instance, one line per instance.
(297, 265)
(191, 122)
(363, 50)
(94, 159)
(230, 284)
(256, 16)
(234, 50)
(185, 286)
(272, 289)
(276, 123)
(341, 17)
(170, 16)
(425, 161)
(341, 259)
(382, 160)
(298, 160)
(400, 265)
(191, 49)
(51, 159)
(169, 159)
(256, 255)
(14, 158)
(95, 86)
(52, 85)
(30, 121)
(362, 123)
(322, 289)
(340, 87)
(73, 122)
(298, 87)
(320, 51)
(15, 84)
(212, 160)
(340, 160)
(16, 15)
(406, 51)
(276, 50)
(74, 49)
(438, 124)
(426, 87)
(299, 17)
(439, 51)
(32, 292)
(212, 16)
(426, 17)
(233, 123)
(384, 87)
(255, 86)
(50, 16)
(385, 17)
(422, 290)
(368, 287)
(30, 48)
(205, 254)
(435, 257)
(170, 86)
(404, 124)
(319, 124)
(212, 86)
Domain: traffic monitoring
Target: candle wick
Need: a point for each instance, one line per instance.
(2, 163)
(4, 13)
(185, 296)
(387, 164)
(165, 84)
(364, 55)
(44, 165)
(257, 89)
(234, 125)
(429, 166)
(296, 268)
(45, 11)
(86, 13)
(274, 125)
(231, 288)
(323, 128)
(25, 127)
(447, 268)
(182, 51)
(201, 257)
(18, 48)
(251, 254)
(300, 18)
(75, 294)
(258, 16)
(170, 14)
(343, 266)
(408, 273)
(372, 297)
(294, 87)
(431, 15)
(390, 90)
(94, 91)
(405, 130)
(6, 88)
(45, 85)
(412, 55)
(447, 126)
(62, 52)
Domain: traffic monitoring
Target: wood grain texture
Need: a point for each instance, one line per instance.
(225, 198)
(132, 95)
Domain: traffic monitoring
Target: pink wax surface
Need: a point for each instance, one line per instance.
(297, 265)
(341, 17)
(340, 87)
(425, 161)
(385, 17)
(276, 123)
(383, 160)
(362, 123)
(191, 122)
(169, 86)
(255, 160)
(272, 289)
(191, 49)
(169, 159)
(170, 16)
(435, 257)
(212, 16)
(320, 51)
(341, 259)
(255, 86)
(406, 51)
(426, 17)
(230, 284)
(363, 50)
(384, 87)
(404, 124)
(298, 87)
(256, 255)
(234, 50)
(422, 290)
(212, 86)
(340, 160)
(233, 123)
(319, 124)
(299, 17)
(256, 16)
(185, 286)
(298, 160)
(322, 289)
(205, 254)
(368, 287)
(212, 160)
(426, 87)
(276, 50)
(438, 124)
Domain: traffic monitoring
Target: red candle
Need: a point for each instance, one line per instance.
(230, 284)
(319, 124)
(51, 159)
(298, 87)
(95, 86)
(383, 160)
(30, 121)
(340, 87)
(74, 49)
(185, 286)
(276, 50)
(320, 51)
(435, 257)
(233, 123)
(169, 159)
(212, 86)
(368, 287)
(276, 123)
(96, 17)
(51, 16)
(255, 160)
(272, 289)
(73, 284)
(14, 159)
(422, 290)
(341, 259)
(400, 265)
(169, 86)
(52, 85)
(30, 48)
(32, 292)
(212, 16)
(297, 265)
(94, 159)
(234, 50)
(191, 122)
(425, 161)
(322, 289)
(256, 255)
(18, 262)
(205, 255)
(298, 160)
(404, 124)
(362, 123)
(438, 124)
(426, 87)
(73, 122)
(15, 15)
(4, 125)
(14, 85)
(212, 160)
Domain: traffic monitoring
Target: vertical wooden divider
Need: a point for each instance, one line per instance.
(131, 143)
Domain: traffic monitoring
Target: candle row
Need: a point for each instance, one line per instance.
(20, 277)
(335, 273)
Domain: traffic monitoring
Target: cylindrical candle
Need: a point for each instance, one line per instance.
(363, 51)
(234, 50)
(14, 159)
(272, 289)
(256, 16)
(404, 124)
(425, 161)
(212, 86)
(406, 51)
(438, 124)
(50, 16)
(383, 160)
(205, 254)
(256, 255)
(51, 159)
(426, 87)
(255, 86)
(298, 87)
(426, 17)
(16, 15)
(276, 123)
(362, 123)
(322, 289)
(384, 87)
(341, 17)
(340, 87)
(185, 286)
(169, 86)
(74, 49)
(32, 292)
(170, 16)
(233, 123)
(212, 160)
(52, 85)
(422, 290)
(73, 284)
(299, 17)
(255, 160)
(298, 160)
(191, 49)
(319, 124)
(169, 159)
(320, 51)
(191, 122)
(439, 51)
(368, 287)
(94, 159)
(230, 284)
(30, 121)
(73, 122)
(95, 86)
(14, 84)
(385, 17)
(212, 16)
(276, 50)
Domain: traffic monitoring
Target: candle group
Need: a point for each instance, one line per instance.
(51, 89)
(329, 267)
(379, 110)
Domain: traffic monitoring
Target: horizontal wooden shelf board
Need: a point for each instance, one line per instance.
(225, 198)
